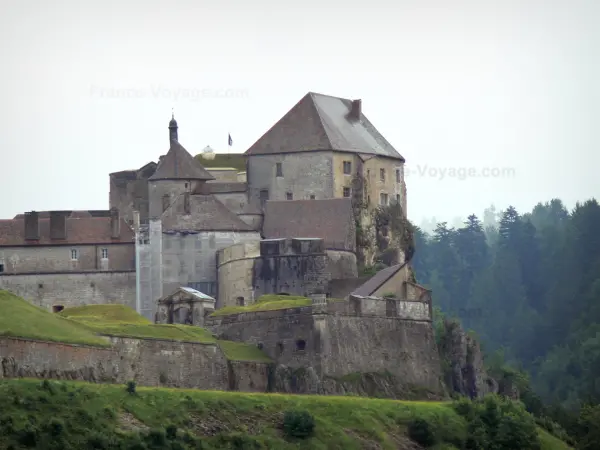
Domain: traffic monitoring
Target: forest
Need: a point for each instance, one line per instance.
(528, 285)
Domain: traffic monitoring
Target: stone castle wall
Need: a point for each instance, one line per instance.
(73, 289)
(341, 338)
(150, 362)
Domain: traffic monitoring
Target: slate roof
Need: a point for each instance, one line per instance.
(221, 187)
(320, 122)
(375, 282)
(206, 214)
(80, 230)
(331, 220)
(178, 164)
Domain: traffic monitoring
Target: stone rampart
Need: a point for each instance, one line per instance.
(150, 362)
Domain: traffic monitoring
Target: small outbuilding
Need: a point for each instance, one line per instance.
(184, 306)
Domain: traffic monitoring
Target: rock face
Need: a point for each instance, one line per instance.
(462, 358)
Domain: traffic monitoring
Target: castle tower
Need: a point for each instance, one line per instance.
(178, 172)
(173, 129)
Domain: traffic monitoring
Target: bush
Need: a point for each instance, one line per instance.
(298, 424)
(420, 431)
(131, 387)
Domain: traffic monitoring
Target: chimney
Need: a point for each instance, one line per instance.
(115, 224)
(186, 203)
(356, 109)
(32, 226)
(58, 225)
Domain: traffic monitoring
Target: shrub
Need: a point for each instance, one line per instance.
(131, 387)
(420, 431)
(171, 432)
(298, 424)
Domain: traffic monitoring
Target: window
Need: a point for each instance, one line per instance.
(279, 169)
(104, 253)
(240, 301)
(300, 345)
(186, 185)
(347, 167)
(346, 192)
(368, 174)
(57, 308)
(398, 198)
(166, 200)
(382, 174)
(264, 196)
(289, 196)
(74, 254)
(312, 196)
(1, 267)
(383, 199)
(398, 177)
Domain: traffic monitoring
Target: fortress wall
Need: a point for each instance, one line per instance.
(73, 289)
(235, 266)
(277, 332)
(365, 335)
(150, 362)
(405, 349)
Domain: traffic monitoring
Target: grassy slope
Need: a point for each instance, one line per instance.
(221, 419)
(84, 324)
(266, 303)
(19, 318)
(120, 320)
(235, 160)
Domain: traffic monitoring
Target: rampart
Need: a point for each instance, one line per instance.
(338, 339)
(73, 289)
(150, 362)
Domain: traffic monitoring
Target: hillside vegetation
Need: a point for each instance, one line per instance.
(69, 415)
(235, 160)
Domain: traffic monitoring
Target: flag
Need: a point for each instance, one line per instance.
(230, 141)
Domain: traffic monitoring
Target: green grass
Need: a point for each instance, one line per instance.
(73, 415)
(550, 442)
(236, 351)
(235, 160)
(19, 318)
(122, 321)
(266, 303)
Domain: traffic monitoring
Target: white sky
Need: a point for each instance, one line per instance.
(451, 84)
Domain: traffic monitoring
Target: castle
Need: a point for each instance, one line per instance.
(182, 239)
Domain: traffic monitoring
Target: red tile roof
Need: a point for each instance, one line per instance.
(80, 230)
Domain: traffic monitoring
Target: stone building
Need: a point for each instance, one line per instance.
(58, 259)
(316, 151)
(286, 224)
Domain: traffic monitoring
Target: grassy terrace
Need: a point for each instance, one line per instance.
(86, 325)
(22, 319)
(119, 320)
(72, 415)
(269, 303)
(235, 160)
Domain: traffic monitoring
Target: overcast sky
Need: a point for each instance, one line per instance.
(513, 86)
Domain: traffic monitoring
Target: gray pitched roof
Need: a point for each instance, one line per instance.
(377, 280)
(331, 220)
(321, 122)
(178, 164)
(206, 214)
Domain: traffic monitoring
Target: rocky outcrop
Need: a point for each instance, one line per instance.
(461, 356)
(379, 385)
